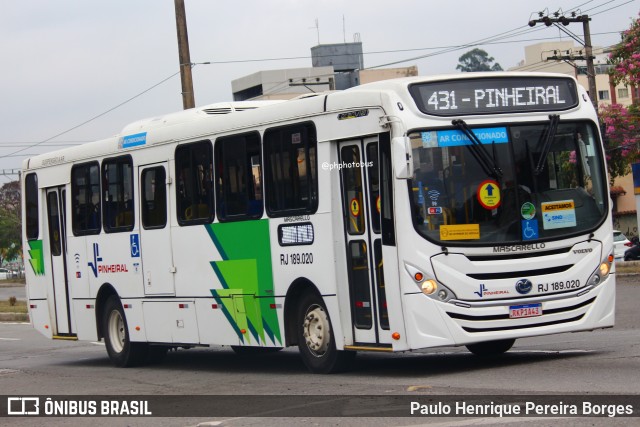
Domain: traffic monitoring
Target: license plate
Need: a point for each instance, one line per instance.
(526, 310)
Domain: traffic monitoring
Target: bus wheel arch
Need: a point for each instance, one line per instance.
(297, 290)
(121, 350)
(112, 327)
(308, 324)
(105, 292)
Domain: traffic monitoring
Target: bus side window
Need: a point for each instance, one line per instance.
(117, 204)
(31, 206)
(239, 177)
(194, 189)
(154, 198)
(85, 196)
(291, 170)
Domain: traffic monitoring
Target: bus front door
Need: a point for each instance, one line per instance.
(59, 291)
(156, 251)
(361, 213)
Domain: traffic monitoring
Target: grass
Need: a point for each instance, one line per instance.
(19, 307)
(628, 267)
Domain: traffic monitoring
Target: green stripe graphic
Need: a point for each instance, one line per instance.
(247, 279)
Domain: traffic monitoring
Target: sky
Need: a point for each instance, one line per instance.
(75, 71)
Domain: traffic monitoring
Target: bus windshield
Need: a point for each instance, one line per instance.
(513, 184)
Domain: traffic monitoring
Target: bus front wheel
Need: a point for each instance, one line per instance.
(491, 348)
(316, 340)
(122, 352)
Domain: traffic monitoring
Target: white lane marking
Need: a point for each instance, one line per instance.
(552, 351)
(10, 339)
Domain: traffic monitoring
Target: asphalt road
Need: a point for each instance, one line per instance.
(12, 289)
(586, 363)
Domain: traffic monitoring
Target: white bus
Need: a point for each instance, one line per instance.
(465, 210)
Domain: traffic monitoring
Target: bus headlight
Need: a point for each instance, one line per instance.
(601, 272)
(436, 290)
(430, 287)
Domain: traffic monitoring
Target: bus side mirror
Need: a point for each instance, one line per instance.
(402, 157)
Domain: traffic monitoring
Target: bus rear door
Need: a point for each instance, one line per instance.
(59, 291)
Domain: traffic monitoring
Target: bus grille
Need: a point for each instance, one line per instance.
(518, 274)
(502, 320)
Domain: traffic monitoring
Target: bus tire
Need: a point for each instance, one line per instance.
(316, 340)
(122, 352)
(491, 348)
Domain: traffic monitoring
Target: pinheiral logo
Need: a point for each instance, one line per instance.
(524, 286)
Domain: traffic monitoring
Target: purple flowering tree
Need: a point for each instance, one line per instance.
(621, 124)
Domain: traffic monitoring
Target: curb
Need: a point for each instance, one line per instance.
(14, 317)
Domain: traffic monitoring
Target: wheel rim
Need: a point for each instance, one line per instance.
(117, 333)
(317, 333)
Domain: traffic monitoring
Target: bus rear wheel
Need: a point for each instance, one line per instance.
(491, 348)
(122, 352)
(316, 340)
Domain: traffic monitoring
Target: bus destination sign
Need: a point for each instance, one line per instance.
(495, 95)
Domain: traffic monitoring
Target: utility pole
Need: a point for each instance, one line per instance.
(188, 100)
(588, 48)
(591, 70)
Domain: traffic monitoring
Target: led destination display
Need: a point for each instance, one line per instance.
(492, 96)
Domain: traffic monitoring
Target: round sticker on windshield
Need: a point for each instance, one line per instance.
(489, 194)
(528, 210)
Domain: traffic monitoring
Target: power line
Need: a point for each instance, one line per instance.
(615, 7)
(496, 39)
(13, 154)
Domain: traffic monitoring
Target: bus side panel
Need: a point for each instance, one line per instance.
(170, 321)
(78, 270)
(395, 303)
(39, 305)
(110, 260)
(425, 328)
(193, 253)
(85, 319)
(213, 325)
(314, 263)
(38, 273)
(34, 269)
(135, 319)
(244, 289)
(39, 317)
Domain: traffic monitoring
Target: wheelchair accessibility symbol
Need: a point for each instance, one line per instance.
(529, 229)
(135, 245)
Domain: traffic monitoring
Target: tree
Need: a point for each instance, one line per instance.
(625, 57)
(621, 137)
(620, 124)
(10, 222)
(477, 60)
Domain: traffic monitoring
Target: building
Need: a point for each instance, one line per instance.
(545, 57)
(334, 67)
(283, 84)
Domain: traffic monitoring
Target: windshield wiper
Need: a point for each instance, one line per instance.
(479, 152)
(547, 138)
(530, 160)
